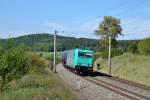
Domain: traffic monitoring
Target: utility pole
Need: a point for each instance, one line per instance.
(54, 60)
(109, 56)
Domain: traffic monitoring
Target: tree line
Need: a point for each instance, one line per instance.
(44, 42)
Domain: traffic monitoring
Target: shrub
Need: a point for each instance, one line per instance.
(133, 48)
(104, 54)
(51, 57)
(41, 54)
(13, 64)
(38, 64)
(144, 46)
(116, 52)
(97, 55)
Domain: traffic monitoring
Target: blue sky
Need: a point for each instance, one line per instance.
(78, 18)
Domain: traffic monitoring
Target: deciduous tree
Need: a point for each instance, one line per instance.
(13, 64)
(110, 26)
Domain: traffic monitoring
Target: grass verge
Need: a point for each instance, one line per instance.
(39, 84)
(128, 66)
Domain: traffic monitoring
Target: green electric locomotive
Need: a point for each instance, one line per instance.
(79, 60)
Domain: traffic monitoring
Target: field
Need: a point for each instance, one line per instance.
(38, 84)
(45, 54)
(49, 55)
(128, 66)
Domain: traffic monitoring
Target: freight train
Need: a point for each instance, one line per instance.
(78, 60)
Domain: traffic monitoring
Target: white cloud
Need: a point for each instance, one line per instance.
(132, 28)
(54, 25)
(85, 28)
(135, 28)
(14, 34)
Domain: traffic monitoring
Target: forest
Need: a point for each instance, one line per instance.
(44, 42)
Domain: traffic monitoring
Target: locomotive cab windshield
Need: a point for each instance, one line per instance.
(88, 55)
(85, 58)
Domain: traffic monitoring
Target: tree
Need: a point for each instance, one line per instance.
(13, 64)
(110, 28)
(105, 43)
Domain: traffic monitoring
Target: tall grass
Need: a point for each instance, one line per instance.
(128, 66)
(49, 56)
(37, 87)
(39, 84)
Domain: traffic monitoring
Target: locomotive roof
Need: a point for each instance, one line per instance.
(85, 50)
(81, 50)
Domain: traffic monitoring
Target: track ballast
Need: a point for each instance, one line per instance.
(121, 88)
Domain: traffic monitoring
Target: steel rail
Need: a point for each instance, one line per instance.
(145, 87)
(122, 91)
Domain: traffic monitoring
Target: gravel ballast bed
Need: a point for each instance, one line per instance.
(126, 86)
(86, 89)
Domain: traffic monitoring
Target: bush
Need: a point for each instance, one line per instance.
(133, 48)
(144, 46)
(41, 54)
(116, 52)
(51, 57)
(38, 64)
(104, 54)
(97, 55)
(13, 64)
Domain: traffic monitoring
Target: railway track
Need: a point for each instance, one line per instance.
(124, 92)
(142, 86)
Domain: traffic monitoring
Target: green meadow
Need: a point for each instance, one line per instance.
(128, 66)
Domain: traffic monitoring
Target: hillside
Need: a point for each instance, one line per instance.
(44, 42)
(128, 66)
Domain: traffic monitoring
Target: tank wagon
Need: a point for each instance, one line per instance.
(78, 60)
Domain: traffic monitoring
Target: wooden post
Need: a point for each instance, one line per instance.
(54, 60)
(109, 56)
